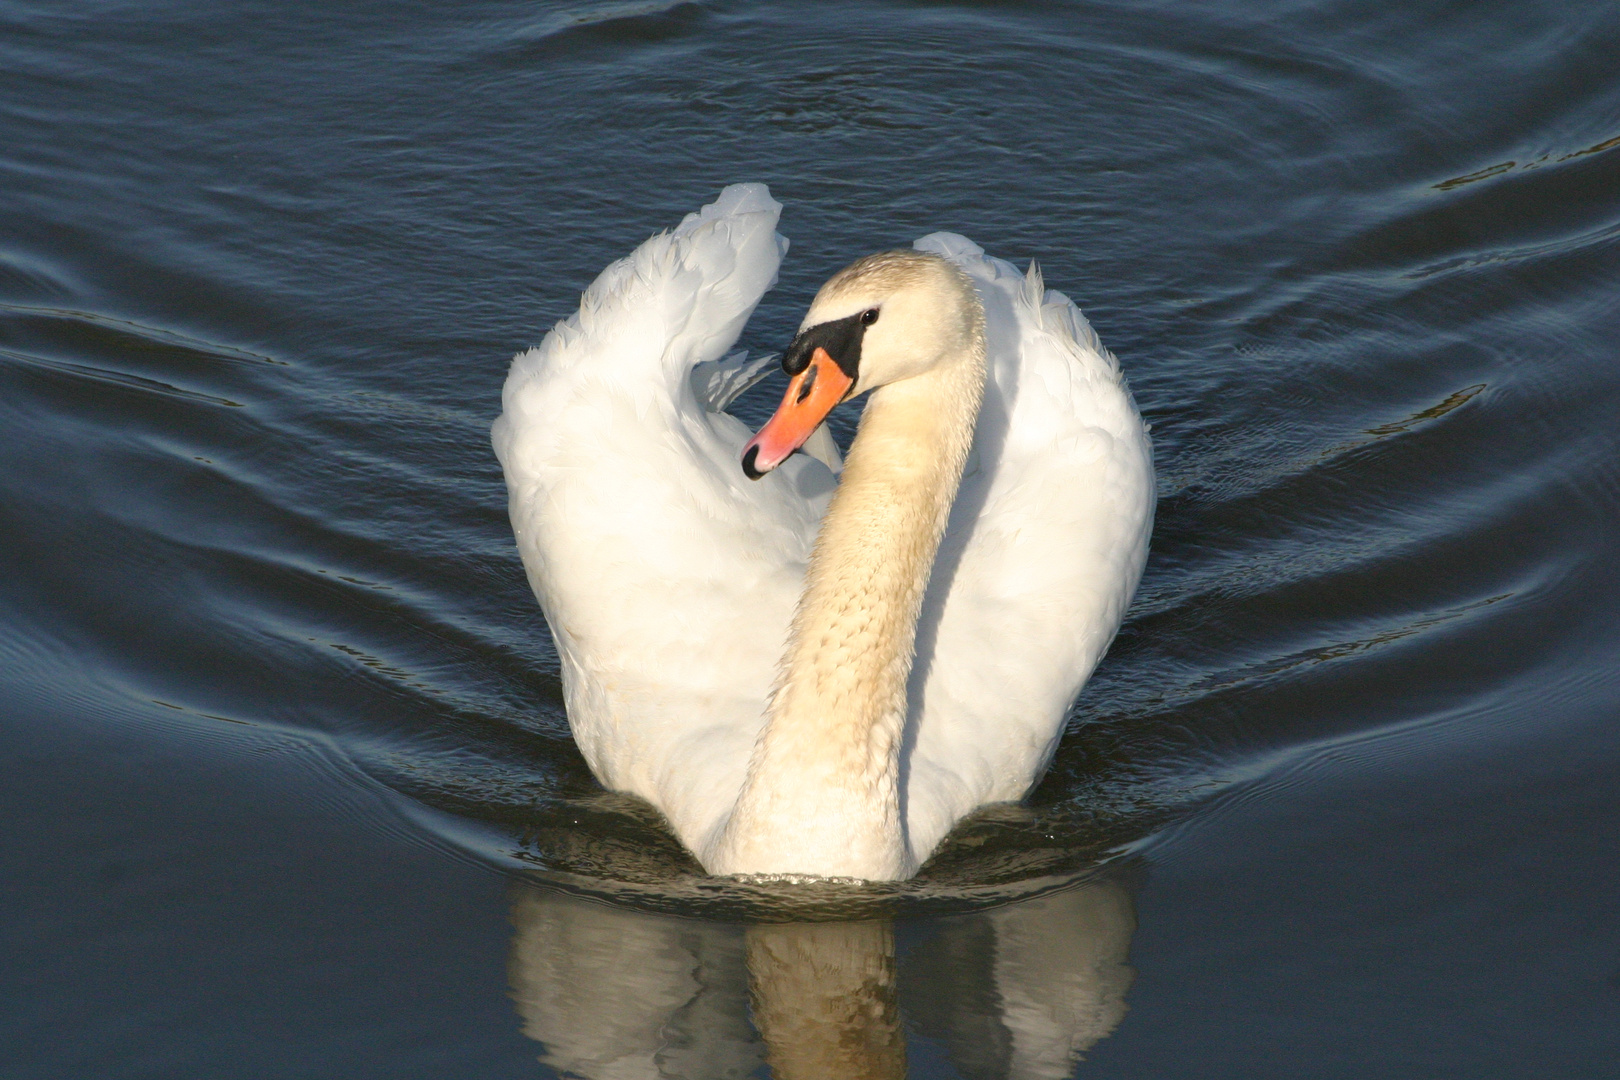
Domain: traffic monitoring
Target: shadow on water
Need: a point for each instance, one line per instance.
(1019, 991)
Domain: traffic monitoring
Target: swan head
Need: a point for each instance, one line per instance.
(883, 319)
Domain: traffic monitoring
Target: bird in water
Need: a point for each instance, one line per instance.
(814, 666)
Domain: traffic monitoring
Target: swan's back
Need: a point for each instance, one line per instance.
(1046, 543)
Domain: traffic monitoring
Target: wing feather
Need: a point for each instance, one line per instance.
(1045, 546)
(666, 576)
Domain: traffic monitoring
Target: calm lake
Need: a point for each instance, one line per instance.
(288, 784)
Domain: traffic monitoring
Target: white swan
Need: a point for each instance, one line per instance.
(670, 579)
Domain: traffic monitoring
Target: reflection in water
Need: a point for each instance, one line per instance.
(615, 993)
(1021, 991)
(1017, 992)
(824, 1000)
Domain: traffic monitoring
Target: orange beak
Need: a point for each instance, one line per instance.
(809, 398)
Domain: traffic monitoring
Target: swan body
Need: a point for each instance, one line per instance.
(823, 707)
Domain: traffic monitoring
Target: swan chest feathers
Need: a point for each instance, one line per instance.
(810, 674)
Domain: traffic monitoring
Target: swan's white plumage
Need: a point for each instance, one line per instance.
(669, 579)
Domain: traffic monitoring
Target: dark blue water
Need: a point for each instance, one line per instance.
(288, 785)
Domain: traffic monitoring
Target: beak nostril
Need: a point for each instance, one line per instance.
(808, 384)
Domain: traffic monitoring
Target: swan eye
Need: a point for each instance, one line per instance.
(869, 316)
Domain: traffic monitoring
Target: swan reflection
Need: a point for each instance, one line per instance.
(1016, 992)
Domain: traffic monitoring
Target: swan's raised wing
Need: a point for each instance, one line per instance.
(1046, 542)
(667, 577)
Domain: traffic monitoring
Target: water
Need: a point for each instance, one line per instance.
(289, 787)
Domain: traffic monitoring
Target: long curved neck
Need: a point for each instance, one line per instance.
(822, 793)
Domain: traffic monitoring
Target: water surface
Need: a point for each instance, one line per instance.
(290, 789)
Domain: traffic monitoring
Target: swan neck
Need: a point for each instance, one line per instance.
(822, 794)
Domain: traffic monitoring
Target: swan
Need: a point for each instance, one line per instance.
(811, 673)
